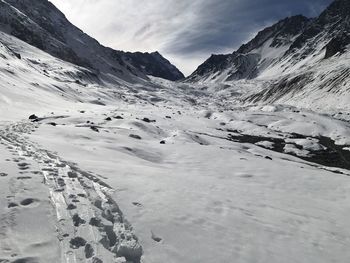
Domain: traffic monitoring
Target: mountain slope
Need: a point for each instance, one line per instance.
(41, 24)
(252, 58)
(299, 61)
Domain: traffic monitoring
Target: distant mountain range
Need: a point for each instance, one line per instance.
(42, 25)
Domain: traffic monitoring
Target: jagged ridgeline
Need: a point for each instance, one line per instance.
(283, 47)
(42, 25)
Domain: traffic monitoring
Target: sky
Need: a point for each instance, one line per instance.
(186, 32)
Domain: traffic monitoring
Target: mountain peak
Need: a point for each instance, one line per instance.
(337, 9)
(290, 26)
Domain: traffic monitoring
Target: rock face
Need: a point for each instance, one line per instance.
(284, 47)
(42, 25)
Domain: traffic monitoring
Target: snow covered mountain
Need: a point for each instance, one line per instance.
(304, 62)
(254, 57)
(42, 25)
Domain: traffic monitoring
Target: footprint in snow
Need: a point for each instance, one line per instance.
(23, 166)
(24, 178)
(12, 205)
(155, 237)
(77, 242)
(137, 204)
(77, 220)
(29, 202)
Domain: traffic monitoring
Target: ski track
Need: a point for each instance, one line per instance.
(90, 226)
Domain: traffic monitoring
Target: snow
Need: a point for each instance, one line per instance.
(265, 144)
(196, 197)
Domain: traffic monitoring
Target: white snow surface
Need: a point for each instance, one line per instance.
(195, 197)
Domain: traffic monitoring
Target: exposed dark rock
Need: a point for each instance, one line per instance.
(148, 120)
(135, 136)
(94, 128)
(33, 117)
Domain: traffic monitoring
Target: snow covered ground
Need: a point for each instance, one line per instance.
(189, 177)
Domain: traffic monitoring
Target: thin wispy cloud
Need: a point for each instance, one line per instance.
(184, 31)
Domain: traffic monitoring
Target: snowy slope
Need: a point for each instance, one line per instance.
(159, 171)
(41, 24)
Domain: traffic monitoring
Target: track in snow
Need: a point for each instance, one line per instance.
(90, 226)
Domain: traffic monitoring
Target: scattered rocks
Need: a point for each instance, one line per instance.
(134, 136)
(33, 117)
(148, 120)
(94, 128)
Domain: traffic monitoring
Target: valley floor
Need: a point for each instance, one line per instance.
(196, 185)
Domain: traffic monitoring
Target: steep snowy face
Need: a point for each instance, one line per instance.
(252, 58)
(298, 61)
(42, 25)
(283, 48)
(330, 31)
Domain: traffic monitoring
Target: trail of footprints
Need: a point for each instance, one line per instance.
(90, 225)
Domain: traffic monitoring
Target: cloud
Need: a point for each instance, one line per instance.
(185, 31)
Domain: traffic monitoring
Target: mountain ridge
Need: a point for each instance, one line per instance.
(43, 25)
